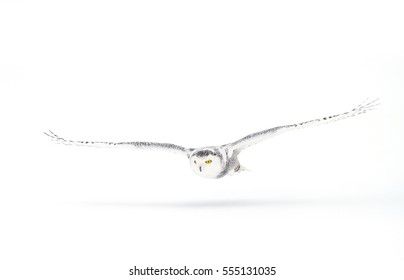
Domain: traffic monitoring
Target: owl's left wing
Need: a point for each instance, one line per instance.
(257, 137)
(136, 145)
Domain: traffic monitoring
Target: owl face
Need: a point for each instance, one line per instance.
(206, 163)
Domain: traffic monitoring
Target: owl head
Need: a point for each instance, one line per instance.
(206, 162)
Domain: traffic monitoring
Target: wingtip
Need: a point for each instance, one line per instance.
(51, 135)
(46, 133)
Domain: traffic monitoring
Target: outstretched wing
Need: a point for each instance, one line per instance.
(137, 145)
(257, 137)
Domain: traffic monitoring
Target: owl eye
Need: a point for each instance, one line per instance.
(208, 161)
(195, 161)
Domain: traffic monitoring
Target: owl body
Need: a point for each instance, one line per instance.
(213, 162)
(218, 161)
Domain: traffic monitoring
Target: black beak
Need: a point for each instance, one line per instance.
(200, 168)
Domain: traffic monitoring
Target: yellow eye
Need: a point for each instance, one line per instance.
(208, 161)
(195, 161)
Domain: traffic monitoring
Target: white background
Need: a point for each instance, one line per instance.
(320, 203)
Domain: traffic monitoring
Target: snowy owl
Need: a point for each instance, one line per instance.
(218, 161)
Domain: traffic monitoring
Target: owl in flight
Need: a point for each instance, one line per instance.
(218, 161)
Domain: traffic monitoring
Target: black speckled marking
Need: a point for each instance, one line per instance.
(203, 153)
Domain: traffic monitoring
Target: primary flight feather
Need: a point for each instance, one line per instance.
(219, 161)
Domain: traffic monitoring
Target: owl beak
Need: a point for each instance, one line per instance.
(200, 168)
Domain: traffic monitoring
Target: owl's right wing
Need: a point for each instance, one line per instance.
(260, 136)
(136, 145)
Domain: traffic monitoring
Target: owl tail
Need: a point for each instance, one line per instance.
(243, 168)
